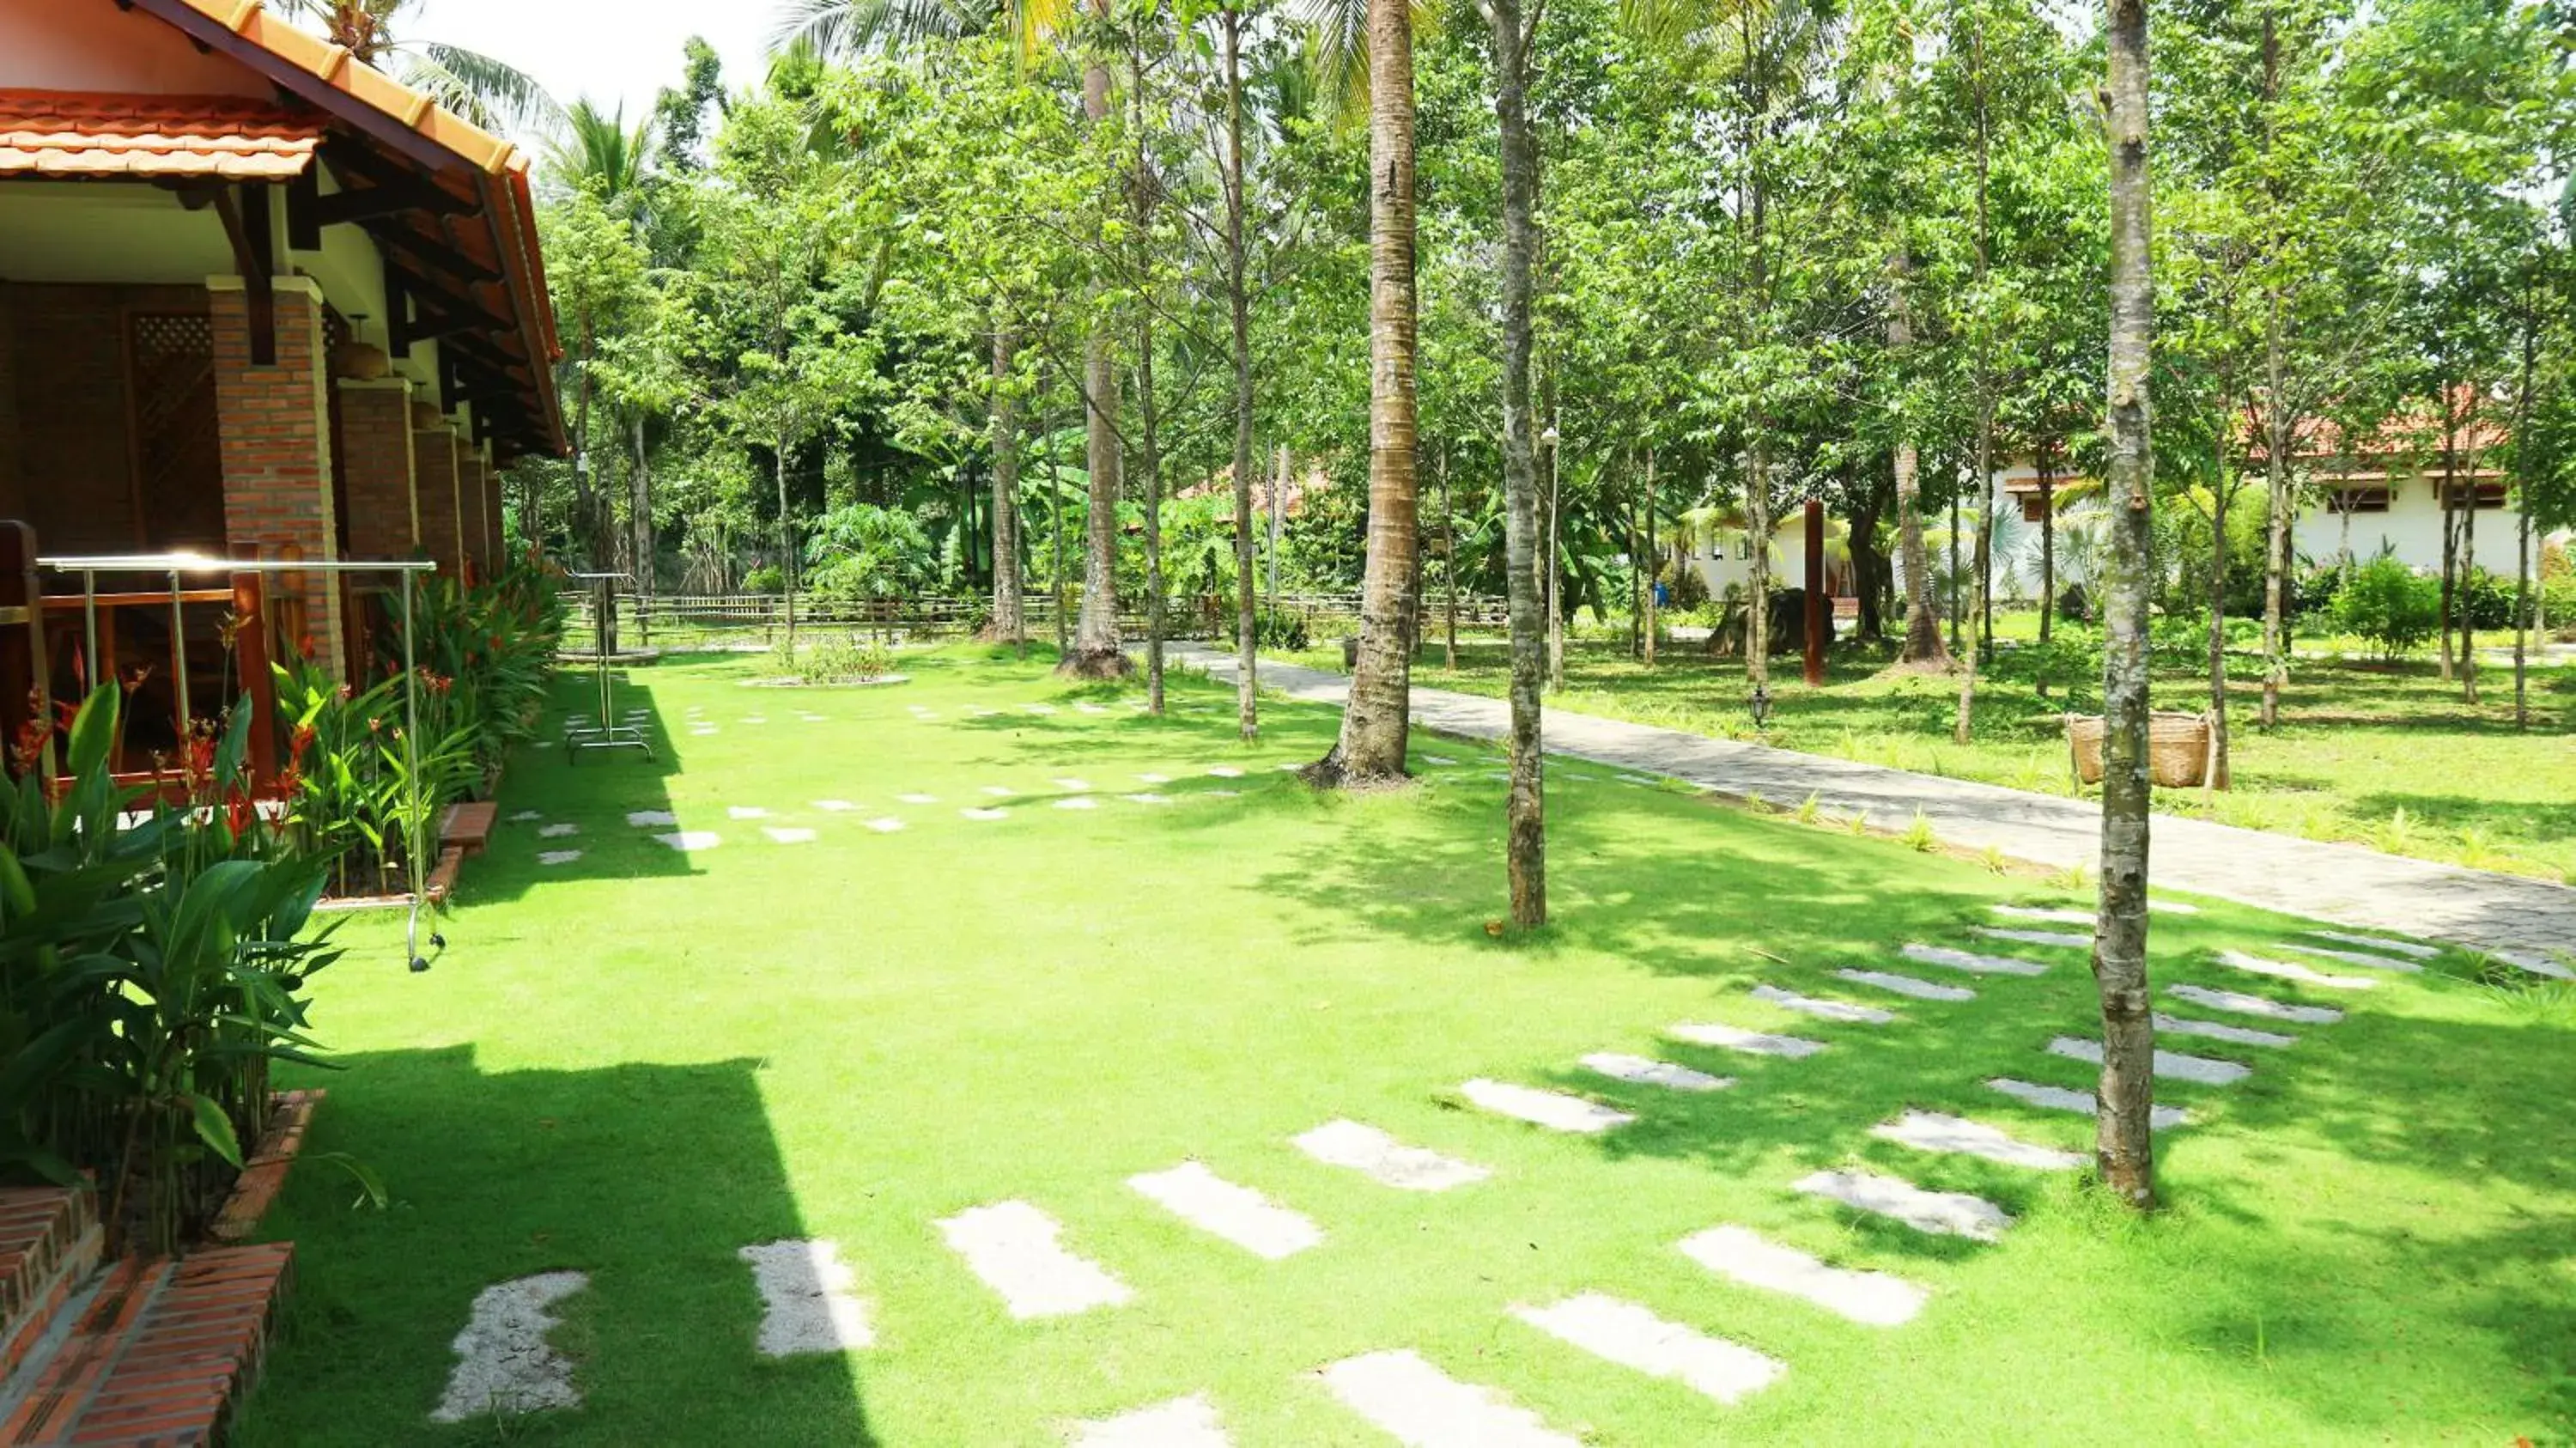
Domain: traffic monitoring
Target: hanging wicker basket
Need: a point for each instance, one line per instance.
(2178, 748)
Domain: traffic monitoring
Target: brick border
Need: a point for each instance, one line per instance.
(264, 1171)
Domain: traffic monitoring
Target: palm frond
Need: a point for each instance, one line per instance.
(490, 93)
(848, 29)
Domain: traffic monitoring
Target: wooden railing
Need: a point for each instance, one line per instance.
(676, 620)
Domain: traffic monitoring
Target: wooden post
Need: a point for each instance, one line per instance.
(22, 601)
(259, 686)
(1819, 609)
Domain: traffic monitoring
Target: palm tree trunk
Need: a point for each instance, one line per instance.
(1055, 518)
(1376, 724)
(642, 506)
(2124, 1145)
(1654, 562)
(1239, 308)
(2220, 496)
(2277, 424)
(1010, 618)
(1097, 651)
(1555, 561)
(786, 541)
(1150, 445)
(1923, 647)
(1525, 803)
(1449, 561)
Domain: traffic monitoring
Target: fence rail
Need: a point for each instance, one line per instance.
(679, 620)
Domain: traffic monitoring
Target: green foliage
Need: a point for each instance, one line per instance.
(840, 659)
(2389, 605)
(1284, 630)
(767, 578)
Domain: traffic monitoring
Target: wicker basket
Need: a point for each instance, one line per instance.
(2178, 748)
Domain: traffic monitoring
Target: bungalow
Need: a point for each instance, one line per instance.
(257, 301)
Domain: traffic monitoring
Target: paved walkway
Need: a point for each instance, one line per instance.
(2530, 922)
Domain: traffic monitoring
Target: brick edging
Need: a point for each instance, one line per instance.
(264, 1171)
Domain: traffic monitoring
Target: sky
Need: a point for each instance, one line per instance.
(608, 50)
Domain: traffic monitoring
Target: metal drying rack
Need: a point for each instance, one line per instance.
(607, 732)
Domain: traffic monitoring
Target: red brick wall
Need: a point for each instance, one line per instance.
(471, 473)
(376, 456)
(276, 431)
(434, 452)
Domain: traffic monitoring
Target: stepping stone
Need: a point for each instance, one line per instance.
(1873, 1299)
(834, 806)
(916, 799)
(1182, 1423)
(1828, 1010)
(2355, 957)
(1637, 779)
(703, 730)
(690, 842)
(1906, 985)
(1154, 779)
(2173, 907)
(1551, 1109)
(1239, 1214)
(1087, 707)
(2205, 1070)
(2082, 1103)
(1079, 801)
(806, 1306)
(646, 818)
(1291, 767)
(2382, 943)
(1633, 1337)
(755, 718)
(1146, 798)
(885, 826)
(1932, 1131)
(1225, 771)
(1443, 760)
(997, 791)
(2220, 1031)
(1039, 708)
(543, 744)
(1220, 794)
(783, 836)
(2291, 970)
(2253, 1005)
(811, 718)
(2048, 913)
(1942, 1214)
(1385, 1160)
(1645, 1071)
(746, 812)
(557, 857)
(2034, 937)
(980, 712)
(558, 832)
(2535, 963)
(985, 814)
(526, 816)
(1075, 786)
(1012, 1246)
(1759, 1043)
(1422, 1407)
(1972, 962)
(504, 1365)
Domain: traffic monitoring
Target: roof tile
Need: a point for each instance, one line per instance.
(68, 133)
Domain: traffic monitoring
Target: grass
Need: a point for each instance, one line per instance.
(636, 1064)
(2383, 755)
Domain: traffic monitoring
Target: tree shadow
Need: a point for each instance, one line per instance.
(649, 1178)
(593, 791)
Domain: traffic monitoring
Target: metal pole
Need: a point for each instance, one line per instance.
(89, 609)
(179, 658)
(414, 841)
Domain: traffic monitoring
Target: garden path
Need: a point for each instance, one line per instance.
(2529, 922)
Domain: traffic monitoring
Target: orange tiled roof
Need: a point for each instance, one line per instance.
(71, 133)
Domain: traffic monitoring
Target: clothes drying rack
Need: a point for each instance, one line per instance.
(177, 565)
(607, 732)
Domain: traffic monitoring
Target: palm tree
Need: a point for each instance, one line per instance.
(1525, 803)
(488, 92)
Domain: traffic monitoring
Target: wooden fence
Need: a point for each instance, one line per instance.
(684, 620)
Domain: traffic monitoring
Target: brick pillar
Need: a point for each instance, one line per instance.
(433, 445)
(470, 470)
(376, 447)
(274, 424)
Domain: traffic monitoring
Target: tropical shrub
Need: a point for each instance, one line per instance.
(1281, 629)
(841, 659)
(2389, 605)
(767, 578)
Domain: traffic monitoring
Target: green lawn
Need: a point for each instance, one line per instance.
(2383, 755)
(638, 1063)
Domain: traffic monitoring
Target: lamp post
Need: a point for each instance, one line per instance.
(1547, 441)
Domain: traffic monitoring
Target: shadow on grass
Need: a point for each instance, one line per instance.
(647, 1177)
(592, 789)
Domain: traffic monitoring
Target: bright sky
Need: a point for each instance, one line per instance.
(608, 50)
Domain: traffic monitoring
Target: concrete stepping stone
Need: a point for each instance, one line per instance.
(2220, 1031)
(1443, 760)
(2082, 1103)
(755, 718)
(2411, 948)
(916, 799)
(1646, 1071)
(1225, 771)
(1039, 708)
(1633, 1337)
(1735, 1038)
(1220, 794)
(690, 842)
(885, 826)
(1422, 1407)
(558, 832)
(1552, 1109)
(557, 857)
(999, 791)
(2055, 915)
(1153, 779)
(745, 812)
(504, 1365)
(805, 1298)
(1072, 786)
(1221, 1208)
(1078, 801)
(1933, 1131)
(787, 836)
(2536, 963)
(526, 817)
(1182, 1423)
(2205, 1070)
(2173, 907)
(2292, 970)
(648, 818)
(1828, 1010)
(1146, 798)
(1941, 1214)
(2254, 1005)
(1638, 779)
(1012, 1246)
(701, 731)
(1972, 962)
(835, 806)
(985, 814)
(2355, 957)
(1906, 985)
(1087, 707)
(2059, 938)
(1740, 1254)
(1383, 1159)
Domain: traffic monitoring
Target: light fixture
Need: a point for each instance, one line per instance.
(1761, 704)
(1547, 439)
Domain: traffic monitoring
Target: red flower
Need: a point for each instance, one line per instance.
(305, 647)
(238, 813)
(302, 741)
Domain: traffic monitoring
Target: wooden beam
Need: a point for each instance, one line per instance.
(387, 193)
(399, 236)
(303, 223)
(248, 227)
(397, 309)
(438, 293)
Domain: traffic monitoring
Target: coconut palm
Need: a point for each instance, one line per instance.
(483, 90)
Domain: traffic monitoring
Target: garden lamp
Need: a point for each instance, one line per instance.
(1761, 704)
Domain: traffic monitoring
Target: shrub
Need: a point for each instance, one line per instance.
(2388, 605)
(1689, 589)
(767, 578)
(1281, 629)
(842, 660)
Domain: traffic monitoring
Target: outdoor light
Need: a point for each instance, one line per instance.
(1547, 439)
(1761, 706)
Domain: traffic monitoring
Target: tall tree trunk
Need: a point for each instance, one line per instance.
(786, 543)
(642, 506)
(1010, 616)
(1555, 540)
(2450, 520)
(1964, 727)
(1239, 310)
(1756, 210)
(1278, 519)
(1525, 804)
(1923, 647)
(1141, 186)
(2124, 1144)
(2468, 578)
(2047, 556)
(2522, 530)
(1449, 562)
(1097, 649)
(1376, 724)
(2278, 430)
(2225, 490)
(1654, 563)
(1055, 517)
